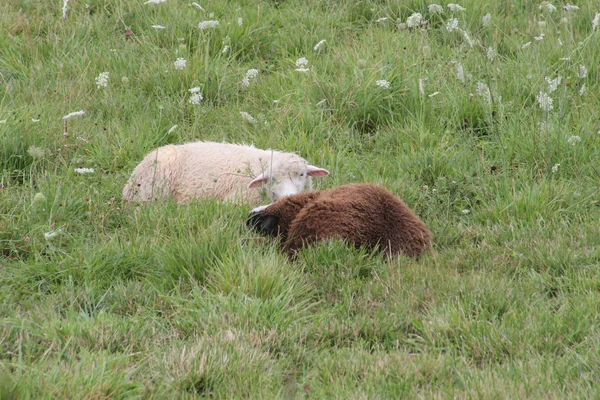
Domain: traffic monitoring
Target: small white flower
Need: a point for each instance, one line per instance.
(547, 6)
(301, 62)
(247, 117)
(491, 53)
(382, 83)
(414, 20)
(225, 49)
(74, 114)
(198, 6)
(460, 71)
(52, 234)
(526, 45)
(455, 7)
(210, 24)
(250, 74)
(539, 38)
(582, 90)
(381, 19)
(240, 21)
(102, 80)
(171, 129)
(155, 1)
(582, 73)
(433, 94)
(465, 211)
(319, 45)
(422, 85)
(570, 8)
(196, 97)
(36, 152)
(159, 27)
(565, 59)
(553, 83)
(180, 63)
(484, 91)
(596, 21)
(545, 101)
(435, 8)
(35, 120)
(452, 24)
(573, 140)
(82, 171)
(555, 168)
(486, 20)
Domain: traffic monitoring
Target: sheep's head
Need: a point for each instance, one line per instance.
(275, 219)
(287, 177)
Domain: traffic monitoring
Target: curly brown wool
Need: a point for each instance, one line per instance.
(362, 214)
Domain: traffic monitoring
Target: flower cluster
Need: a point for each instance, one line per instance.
(208, 24)
(250, 74)
(196, 96)
(102, 80)
(180, 63)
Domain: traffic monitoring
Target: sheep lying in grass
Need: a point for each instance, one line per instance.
(218, 170)
(362, 214)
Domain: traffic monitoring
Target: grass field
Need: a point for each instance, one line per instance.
(485, 121)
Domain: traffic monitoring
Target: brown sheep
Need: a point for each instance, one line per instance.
(362, 214)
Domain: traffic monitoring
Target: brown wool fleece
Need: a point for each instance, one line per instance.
(362, 214)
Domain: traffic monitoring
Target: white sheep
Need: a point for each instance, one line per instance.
(218, 170)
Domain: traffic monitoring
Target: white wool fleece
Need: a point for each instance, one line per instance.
(218, 170)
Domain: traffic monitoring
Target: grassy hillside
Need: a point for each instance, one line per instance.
(485, 121)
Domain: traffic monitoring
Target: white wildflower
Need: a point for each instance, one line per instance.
(547, 6)
(250, 74)
(573, 140)
(435, 8)
(486, 20)
(596, 21)
(539, 38)
(381, 19)
(36, 152)
(240, 21)
(225, 49)
(582, 90)
(74, 114)
(247, 117)
(570, 8)
(455, 7)
(545, 101)
(582, 73)
(198, 6)
(180, 63)
(65, 8)
(171, 129)
(553, 83)
(35, 120)
(159, 27)
(452, 24)
(422, 85)
(526, 45)
(382, 83)
(433, 94)
(102, 80)
(491, 53)
(414, 20)
(52, 234)
(319, 45)
(196, 96)
(155, 1)
(301, 62)
(208, 24)
(484, 91)
(460, 71)
(465, 211)
(83, 171)
(555, 168)
(565, 59)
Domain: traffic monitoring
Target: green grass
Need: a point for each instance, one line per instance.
(165, 301)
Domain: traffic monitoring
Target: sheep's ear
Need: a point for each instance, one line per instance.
(259, 180)
(316, 171)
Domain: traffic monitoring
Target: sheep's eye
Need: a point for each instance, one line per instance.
(302, 174)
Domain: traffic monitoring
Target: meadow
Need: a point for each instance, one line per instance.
(484, 117)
